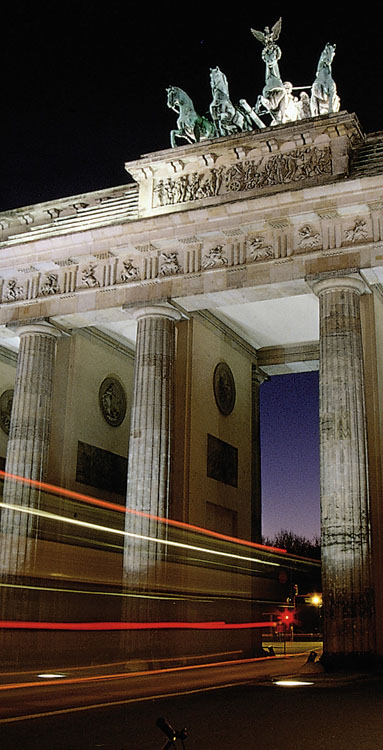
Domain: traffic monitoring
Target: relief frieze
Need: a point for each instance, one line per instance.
(308, 239)
(88, 276)
(358, 232)
(50, 285)
(14, 292)
(214, 258)
(259, 250)
(189, 187)
(279, 169)
(130, 272)
(169, 264)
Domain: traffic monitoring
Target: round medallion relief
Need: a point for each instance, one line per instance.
(6, 400)
(224, 388)
(112, 400)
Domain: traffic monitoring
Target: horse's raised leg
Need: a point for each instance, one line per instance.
(178, 134)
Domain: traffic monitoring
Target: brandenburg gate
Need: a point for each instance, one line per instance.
(253, 246)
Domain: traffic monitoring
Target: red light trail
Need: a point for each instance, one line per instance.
(219, 625)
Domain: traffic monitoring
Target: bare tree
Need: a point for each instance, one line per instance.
(296, 544)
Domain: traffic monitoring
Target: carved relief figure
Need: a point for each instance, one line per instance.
(189, 187)
(51, 285)
(279, 169)
(214, 258)
(260, 251)
(308, 238)
(130, 272)
(112, 401)
(88, 276)
(168, 264)
(358, 233)
(14, 292)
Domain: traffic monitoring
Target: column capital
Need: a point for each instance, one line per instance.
(36, 327)
(329, 282)
(156, 311)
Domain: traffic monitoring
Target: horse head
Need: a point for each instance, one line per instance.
(330, 51)
(218, 80)
(173, 99)
(327, 56)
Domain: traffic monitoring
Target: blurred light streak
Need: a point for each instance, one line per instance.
(121, 509)
(60, 590)
(218, 625)
(292, 683)
(207, 599)
(164, 542)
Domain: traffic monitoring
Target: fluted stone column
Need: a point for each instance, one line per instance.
(150, 445)
(349, 625)
(28, 444)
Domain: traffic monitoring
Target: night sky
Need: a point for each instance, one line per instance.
(290, 454)
(83, 90)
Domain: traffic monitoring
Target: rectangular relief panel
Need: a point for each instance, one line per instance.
(222, 461)
(102, 469)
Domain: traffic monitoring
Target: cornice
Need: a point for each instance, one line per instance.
(8, 356)
(64, 216)
(96, 335)
(227, 334)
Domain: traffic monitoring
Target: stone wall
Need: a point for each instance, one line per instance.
(211, 439)
(84, 444)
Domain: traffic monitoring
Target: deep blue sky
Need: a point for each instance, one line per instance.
(84, 89)
(290, 454)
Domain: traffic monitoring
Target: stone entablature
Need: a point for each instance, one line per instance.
(67, 215)
(309, 152)
(126, 269)
(190, 250)
(249, 174)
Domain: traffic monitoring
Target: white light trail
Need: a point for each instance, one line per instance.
(119, 532)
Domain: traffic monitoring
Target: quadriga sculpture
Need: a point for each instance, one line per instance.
(274, 96)
(226, 117)
(276, 101)
(190, 126)
(324, 98)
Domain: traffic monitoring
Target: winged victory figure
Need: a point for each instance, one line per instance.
(267, 37)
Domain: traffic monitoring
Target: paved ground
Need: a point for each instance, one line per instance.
(336, 712)
(251, 711)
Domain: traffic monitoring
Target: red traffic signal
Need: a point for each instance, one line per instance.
(287, 617)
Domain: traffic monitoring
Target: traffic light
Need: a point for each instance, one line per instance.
(286, 617)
